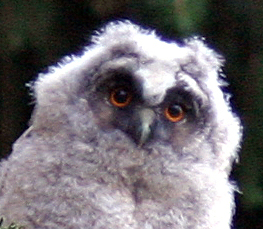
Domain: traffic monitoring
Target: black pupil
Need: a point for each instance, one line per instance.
(175, 110)
(121, 96)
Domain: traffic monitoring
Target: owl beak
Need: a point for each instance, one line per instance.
(147, 117)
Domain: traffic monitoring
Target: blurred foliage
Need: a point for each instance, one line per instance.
(35, 34)
(11, 226)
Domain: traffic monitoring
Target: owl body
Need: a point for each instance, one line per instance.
(134, 133)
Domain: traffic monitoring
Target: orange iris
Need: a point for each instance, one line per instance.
(120, 97)
(174, 113)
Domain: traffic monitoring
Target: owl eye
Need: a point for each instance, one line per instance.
(174, 113)
(120, 97)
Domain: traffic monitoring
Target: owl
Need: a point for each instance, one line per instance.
(134, 133)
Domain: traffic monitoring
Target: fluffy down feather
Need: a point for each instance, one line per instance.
(79, 165)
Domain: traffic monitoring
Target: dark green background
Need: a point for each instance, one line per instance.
(35, 34)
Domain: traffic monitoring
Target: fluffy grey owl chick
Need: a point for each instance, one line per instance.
(133, 134)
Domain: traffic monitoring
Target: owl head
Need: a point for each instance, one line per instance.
(135, 88)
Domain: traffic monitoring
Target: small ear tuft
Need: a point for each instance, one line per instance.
(112, 31)
(205, 58)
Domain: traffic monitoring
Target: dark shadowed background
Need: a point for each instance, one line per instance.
(35, 34)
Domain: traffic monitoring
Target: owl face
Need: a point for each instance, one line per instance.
(135, 99)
